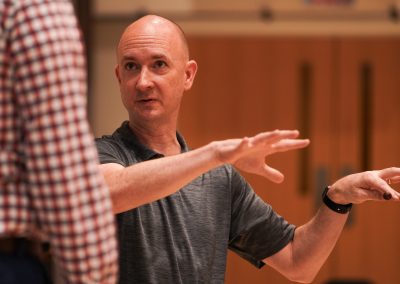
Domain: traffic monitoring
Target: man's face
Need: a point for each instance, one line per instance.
(153, 72)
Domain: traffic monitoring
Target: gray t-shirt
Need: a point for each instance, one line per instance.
(184, 237)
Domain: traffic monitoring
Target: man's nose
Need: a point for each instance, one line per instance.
(145, 80)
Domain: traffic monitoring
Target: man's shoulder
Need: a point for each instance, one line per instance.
(112, 150)
(113, 139)
(107, 141)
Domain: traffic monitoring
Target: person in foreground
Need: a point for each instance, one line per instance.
(51, 190)
(183, 236)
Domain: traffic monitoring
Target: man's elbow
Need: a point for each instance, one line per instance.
(302, 276)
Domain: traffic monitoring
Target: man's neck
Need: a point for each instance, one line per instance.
(160, 139)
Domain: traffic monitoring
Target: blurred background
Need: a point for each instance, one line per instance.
(330, 68)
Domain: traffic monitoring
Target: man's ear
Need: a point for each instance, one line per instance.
(190, 73)
(116, 70)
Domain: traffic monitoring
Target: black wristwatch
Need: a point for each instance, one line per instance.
(338, 208)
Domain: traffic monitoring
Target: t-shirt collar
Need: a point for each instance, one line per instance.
(145, 153)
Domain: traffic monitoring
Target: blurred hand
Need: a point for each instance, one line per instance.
(370, 185)
(249, 154)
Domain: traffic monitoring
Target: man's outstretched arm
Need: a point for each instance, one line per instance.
(301, 259)
(148, 181)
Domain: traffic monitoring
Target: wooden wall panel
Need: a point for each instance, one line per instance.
(369, 246)
(249, 84)
(246, 85)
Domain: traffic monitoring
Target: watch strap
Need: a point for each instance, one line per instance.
(338, 208)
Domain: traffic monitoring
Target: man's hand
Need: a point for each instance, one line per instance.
(248, 154)
(370, 185)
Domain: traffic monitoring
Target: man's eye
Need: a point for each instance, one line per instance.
(131, 66)
(159, 64)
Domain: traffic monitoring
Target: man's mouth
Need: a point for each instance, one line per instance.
(147, 100)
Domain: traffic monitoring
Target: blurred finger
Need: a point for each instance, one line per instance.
(376, 195)
(393, 180)
(375, 183)
(273, 174)
(388, 196)
(274, 136)
(390, 173)
(370, 194)
(386, 192)
(290, 144)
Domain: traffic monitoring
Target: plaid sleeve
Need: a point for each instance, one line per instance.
(73, 205)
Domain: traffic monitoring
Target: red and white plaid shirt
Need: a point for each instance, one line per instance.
(49, 179)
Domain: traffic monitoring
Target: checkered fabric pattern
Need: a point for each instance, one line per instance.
(49, 179)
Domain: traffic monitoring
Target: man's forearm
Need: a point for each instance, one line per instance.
(313, 242)
(148, 181)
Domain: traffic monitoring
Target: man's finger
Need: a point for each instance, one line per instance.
(273, 174)
(290, 144)
(385, 191)
(389, 173)
(274, 136)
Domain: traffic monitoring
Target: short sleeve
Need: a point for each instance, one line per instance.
(109, 152)
(257, 231)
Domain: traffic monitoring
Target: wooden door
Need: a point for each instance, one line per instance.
(246, 85)
(368, 100)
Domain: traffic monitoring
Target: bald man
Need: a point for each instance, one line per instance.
(183, 236)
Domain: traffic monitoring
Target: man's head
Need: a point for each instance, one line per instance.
(153, 69)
